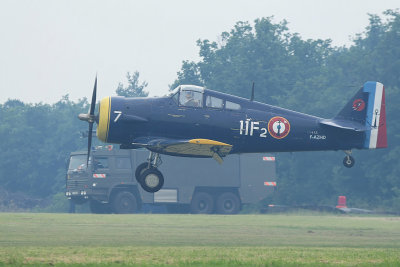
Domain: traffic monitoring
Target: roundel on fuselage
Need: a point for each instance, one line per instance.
(278, 127)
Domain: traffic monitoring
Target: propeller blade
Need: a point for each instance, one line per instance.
(93, 103)
(90, 118)
(89, 142)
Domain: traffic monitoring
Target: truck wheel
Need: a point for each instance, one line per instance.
(152, 180)
(98, 208)
(178, 208)
(124, 202)
(228, 203)
(79, 201)
(202, 203)
(139, 171)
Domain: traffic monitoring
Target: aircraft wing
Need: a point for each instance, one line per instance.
(189, 147)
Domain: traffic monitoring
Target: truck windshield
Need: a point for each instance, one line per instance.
(77, 162)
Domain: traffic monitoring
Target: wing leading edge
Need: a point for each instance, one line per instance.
(190, 147)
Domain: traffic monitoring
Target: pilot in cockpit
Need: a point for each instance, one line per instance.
(189, 99)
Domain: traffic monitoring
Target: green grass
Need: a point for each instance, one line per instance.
(198, 240)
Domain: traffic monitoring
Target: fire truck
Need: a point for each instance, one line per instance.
(196, 185)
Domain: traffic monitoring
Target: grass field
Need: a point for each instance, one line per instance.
(198, 240)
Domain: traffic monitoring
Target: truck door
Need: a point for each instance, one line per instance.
(101, 171)
(123, 169)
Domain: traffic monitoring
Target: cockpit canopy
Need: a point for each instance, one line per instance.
(193, 96)
(188, 95)
(193, 88)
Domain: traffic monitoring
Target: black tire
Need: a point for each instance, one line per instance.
(202, 203)
(348, 161)
(139, 171)
(178, 208)
(79, 201)
(152, 180)
(124, 202)
(99, 208)
(228, 203)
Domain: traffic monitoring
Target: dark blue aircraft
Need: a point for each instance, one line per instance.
(193, 121)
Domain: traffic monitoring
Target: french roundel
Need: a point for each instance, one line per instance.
(278, 127)
(358, 105)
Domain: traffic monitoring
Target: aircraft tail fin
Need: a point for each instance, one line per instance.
(367, 108)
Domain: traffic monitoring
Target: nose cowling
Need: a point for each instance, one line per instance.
(103, 125)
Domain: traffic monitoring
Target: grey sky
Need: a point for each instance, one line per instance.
(51, 48)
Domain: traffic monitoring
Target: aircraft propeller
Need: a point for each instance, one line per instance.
(90, 118)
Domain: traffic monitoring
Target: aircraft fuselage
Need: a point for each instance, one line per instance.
(254, 127)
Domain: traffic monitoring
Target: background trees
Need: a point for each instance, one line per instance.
(36, 140)
(134, 89)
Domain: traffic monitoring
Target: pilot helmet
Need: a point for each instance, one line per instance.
(189, 94)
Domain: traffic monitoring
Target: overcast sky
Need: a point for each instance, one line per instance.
(51, 48)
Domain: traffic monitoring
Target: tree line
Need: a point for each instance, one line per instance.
(310, 76)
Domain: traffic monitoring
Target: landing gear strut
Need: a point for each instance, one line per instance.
(147, 174)
(348, 160)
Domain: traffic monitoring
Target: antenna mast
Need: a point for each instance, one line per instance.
(252, 93)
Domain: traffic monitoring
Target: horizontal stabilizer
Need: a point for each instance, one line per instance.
(345, 125)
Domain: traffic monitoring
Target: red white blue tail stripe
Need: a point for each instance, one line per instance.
(376, 116)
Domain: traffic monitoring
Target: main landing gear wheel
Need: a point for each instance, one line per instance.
(147, 174)
(348, 161)
(139, 171)
(151, 180)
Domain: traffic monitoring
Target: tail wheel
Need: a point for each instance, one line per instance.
(139, 171)
(124, 202)
(228, 203)
(348, 161)
(202, 203)
(152, 180)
